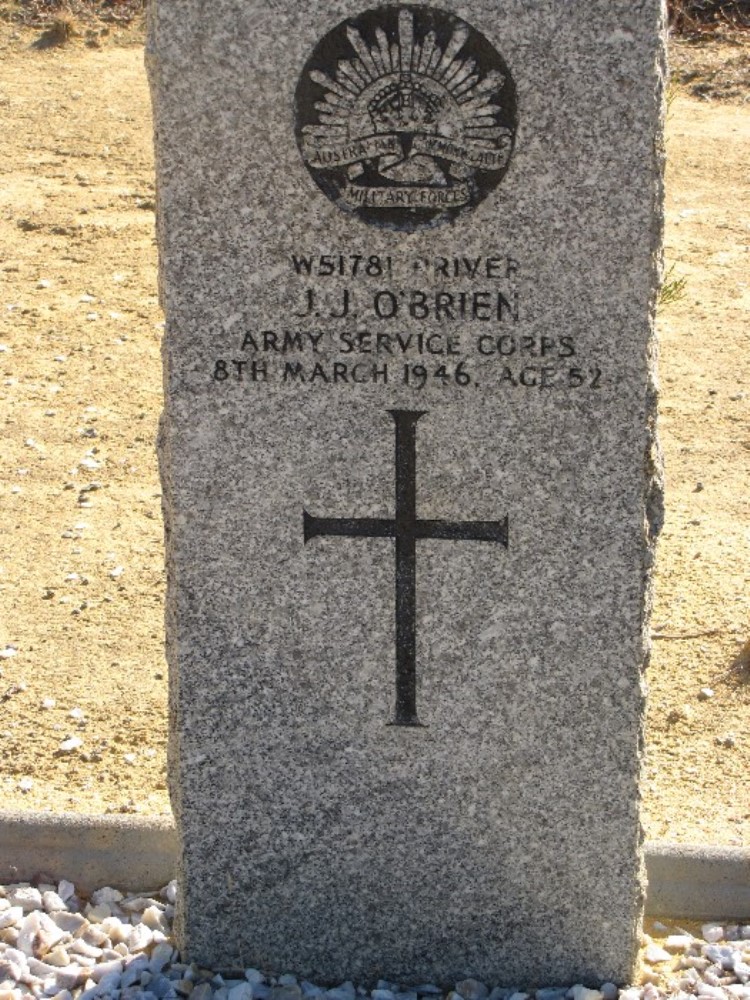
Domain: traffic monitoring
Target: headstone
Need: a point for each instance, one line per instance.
(408, 259)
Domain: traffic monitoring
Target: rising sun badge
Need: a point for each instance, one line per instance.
(405, 116)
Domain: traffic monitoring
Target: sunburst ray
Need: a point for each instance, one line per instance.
(466, 70)
(351, 71)
(428, 47)
(457, 42)
(406, 38)
(385, 52)
(464, 92)
(363, 52)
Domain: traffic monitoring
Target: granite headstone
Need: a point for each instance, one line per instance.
(409, 257)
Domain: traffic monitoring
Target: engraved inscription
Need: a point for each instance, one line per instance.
(451, 323)
(405, 116)
(406, 529)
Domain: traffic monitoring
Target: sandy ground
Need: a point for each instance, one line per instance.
(81, 582)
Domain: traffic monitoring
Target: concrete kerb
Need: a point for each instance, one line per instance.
(685, 882)
(698, 883)
(90, 851)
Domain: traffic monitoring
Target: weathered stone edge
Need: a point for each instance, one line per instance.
(685, 881)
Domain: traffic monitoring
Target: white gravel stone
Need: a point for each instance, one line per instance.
(472, 989)
(633, 993)
(345, 991)
(70, 977)
(102, 969)
(583, 993)
(66, 890)
(697, 962)
(202, 992)
(107, 894)
(94, 935)
(243, 991)
(52, 902)
(135, 904)
(71, 923)
(160, 956)
(57, 957)
(140, 938)
(715, 953)
(38, 934)
(711, 992)
(80, 947)
(543, 993)
(654, 954)
(678, 942)
(133, 970)
(116, 930)
(27, 897)
(293, 992)
(712, 933)
(11, 916)
(154, 918)
(42, 970)
(95, 914)
(61, 954)
(13, 964)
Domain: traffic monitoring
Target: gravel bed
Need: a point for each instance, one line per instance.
(54, 943)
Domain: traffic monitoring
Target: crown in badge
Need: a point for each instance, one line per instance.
(404, 106)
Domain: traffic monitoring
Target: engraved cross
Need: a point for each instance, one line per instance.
(406, 528)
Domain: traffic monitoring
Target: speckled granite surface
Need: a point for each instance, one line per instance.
(408, 263)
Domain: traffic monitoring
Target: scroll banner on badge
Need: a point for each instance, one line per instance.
(359, 196)
(373, 146)
(354, 151)
(459, 152)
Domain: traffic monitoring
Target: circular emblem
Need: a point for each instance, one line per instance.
(405, 116)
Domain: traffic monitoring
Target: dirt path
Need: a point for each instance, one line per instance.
(81, 583)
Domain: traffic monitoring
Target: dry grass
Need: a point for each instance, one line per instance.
(713, 72)
(688, 18)
(672, 288)
(86, 13)
(62, 28)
